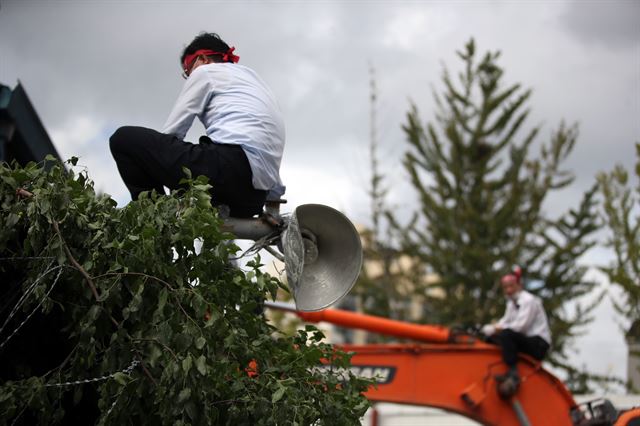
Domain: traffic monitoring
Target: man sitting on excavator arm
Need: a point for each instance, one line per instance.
(523, 328)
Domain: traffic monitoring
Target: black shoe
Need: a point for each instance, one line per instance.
(507, 385)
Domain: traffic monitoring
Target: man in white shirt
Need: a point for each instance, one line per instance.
(523, 328)
(242, 150)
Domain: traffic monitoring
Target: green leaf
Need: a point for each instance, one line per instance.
(192, 410)
(11, 220)
(162, 299)
(121, 378)
(154, 354)
(278, 394)
(10, 181)
(200, 342)
(93, 313)
(87, 265)
(182, 341)
(184, 395)
(187, 362)
(135, 303)
(201, 365)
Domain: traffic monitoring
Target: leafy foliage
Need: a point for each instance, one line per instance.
(152, 323)
(621, 216)
(481, 199)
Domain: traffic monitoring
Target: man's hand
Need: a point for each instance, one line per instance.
(488, 329)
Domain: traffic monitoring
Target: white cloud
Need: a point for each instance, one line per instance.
(312, 186)
(76, 133)
(323, 28)
(403, 30)
(86, 137)
(409, 27)
(305, 78)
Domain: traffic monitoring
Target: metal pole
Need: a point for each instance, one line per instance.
(247, 229)
(520, 414)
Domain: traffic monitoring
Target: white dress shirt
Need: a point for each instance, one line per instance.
(526, 315)
(236, 107)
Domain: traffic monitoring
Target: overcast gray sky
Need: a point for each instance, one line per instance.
(92, 66)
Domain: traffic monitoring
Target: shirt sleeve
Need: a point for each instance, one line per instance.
(276, 193)
(191, 103)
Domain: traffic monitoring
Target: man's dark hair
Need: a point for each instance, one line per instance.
(209, 41)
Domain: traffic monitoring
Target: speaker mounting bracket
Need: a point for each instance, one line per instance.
(320, 247)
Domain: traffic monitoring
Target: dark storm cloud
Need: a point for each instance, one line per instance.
(613, 23)
(97, 65)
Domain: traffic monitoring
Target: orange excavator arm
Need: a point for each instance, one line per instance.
(425, 333)
(461, 379)
(454, 372)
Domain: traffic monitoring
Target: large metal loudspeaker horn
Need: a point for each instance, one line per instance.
(323, 256)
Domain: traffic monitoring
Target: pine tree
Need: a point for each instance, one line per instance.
(620, 206)
(481, 198)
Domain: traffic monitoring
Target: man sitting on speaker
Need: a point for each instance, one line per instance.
(523, 328)
(244, 142)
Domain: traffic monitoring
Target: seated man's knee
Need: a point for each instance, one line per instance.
(118, 138)
(505, 336)
(123, 138)
(507, 332)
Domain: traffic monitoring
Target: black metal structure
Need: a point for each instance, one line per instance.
(22, 135)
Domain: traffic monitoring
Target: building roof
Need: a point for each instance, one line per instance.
(23, 137)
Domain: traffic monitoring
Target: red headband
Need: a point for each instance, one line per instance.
(226, 57)
(517, 274)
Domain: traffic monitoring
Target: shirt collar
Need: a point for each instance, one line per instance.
(514, 298)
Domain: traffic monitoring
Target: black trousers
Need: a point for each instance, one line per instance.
(148, 159)
(511, 342)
